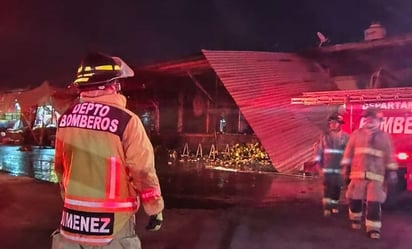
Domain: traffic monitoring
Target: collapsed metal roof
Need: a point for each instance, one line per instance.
(262, 84)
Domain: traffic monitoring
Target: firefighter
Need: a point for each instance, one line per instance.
(104, 162)
(328, 154)
(369, 157)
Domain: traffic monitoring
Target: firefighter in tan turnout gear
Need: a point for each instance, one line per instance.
(328, 154)
(104, 162)
(370, 160)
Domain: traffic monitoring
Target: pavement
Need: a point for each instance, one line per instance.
(263, 211)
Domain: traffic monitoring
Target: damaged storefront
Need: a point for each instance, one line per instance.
(192, 114)
(29, 116)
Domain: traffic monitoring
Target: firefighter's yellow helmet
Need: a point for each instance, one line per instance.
(97, 69)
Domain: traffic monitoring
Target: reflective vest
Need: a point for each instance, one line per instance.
(329, 151)
(102, 152)
(369, 154)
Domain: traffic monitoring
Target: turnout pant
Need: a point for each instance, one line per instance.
(359, 191)
(332, 184)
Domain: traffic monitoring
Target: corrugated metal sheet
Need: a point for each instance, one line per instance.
(196, 64)
(262, 84)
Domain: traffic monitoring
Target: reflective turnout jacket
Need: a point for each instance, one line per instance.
(105, 165)
(369, 154)
(329, 151)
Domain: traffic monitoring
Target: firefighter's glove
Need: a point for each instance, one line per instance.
(155, 222)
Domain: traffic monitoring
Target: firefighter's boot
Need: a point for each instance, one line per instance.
(356, 225)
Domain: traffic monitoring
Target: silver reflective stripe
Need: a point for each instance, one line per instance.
(326, 200)
(333, 151)
(374, 176)
(367, 175)
(86, 239)
(373, 224)
(355, 216)
(345, 161)
(337, 171)
(369, 151)
(126, 204)
(334, 201)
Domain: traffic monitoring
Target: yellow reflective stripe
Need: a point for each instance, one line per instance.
(367, 175)
(91, 204)
(87, 74)
(79, 80)
(98, 68)
(86, 239)
(104, 68)
(373, 224)
(333, 151)
(369, 151)
(392, 166)
(107, 67)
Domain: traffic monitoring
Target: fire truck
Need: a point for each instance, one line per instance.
(395, 103)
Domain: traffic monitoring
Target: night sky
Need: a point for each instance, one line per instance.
(45, 39)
